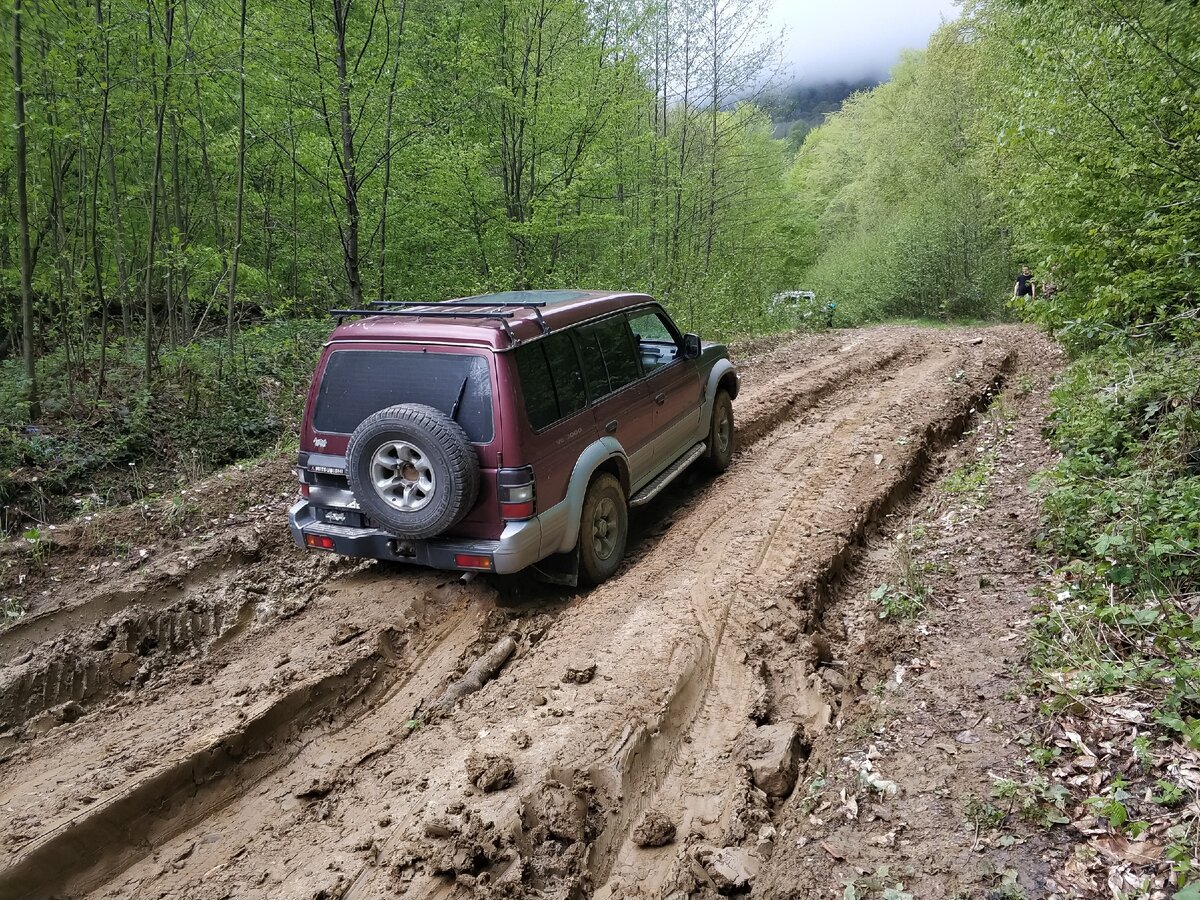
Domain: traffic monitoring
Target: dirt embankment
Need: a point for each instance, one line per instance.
(233, 718)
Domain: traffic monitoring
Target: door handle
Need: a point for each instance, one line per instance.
(611, 426)
(660, 398)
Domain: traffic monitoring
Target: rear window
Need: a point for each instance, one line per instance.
(358, 383)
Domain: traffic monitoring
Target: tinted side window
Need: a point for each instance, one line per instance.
(358, 383)
(593, 362)
(614, 346)
(564, 369)
(551, 380)
(649, 326)
(541, 404)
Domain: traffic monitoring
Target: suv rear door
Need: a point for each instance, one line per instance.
(620, 402)
(673, 383)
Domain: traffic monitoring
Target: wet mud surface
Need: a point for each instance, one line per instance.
(226, 716)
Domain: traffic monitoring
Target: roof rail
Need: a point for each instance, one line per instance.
(501, 317)
(535, 306)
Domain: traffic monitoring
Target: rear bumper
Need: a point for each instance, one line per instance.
(519, 545)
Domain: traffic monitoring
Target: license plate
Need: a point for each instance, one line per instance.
(347, 517)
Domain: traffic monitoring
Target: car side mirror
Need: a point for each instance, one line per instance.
(691, 346)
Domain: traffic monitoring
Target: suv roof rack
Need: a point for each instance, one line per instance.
(499, 311)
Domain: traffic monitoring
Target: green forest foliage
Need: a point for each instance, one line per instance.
(1094, 109)
(402, 148)
(894, 193)
(1064, 134)
(195, 167)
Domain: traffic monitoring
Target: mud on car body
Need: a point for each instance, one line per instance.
(505, 431)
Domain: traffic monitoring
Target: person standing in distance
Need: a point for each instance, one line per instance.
(1025, 286)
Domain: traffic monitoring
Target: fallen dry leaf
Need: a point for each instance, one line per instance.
(832, 850)
(1142, 853)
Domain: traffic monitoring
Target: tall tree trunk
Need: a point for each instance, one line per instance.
(110, 165)
(97, 261)
(156, 177)
(387, 163)
(35, 410)
(294, 273)
(169, 241)
(206, 166)
(241, 180)
(714, 120)
(181, 268)
(341, 15)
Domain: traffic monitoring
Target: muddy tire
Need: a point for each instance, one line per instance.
(412, 470)
(720, 434)
(603, 530)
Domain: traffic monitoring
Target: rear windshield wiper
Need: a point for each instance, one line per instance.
(462, 389)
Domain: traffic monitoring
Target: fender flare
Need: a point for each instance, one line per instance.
(723, 374)
(592, 458)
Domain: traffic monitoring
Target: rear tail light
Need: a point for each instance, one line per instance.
(304, 488)
(518, 494)
(471, 561)
(319, 541)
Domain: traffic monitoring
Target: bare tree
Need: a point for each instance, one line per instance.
(160, 112)
(23, 216)
(241, 178)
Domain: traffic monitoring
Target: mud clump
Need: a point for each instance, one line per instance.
(556, 811)
(467, 844)
(730, 870)
(773, 753)
(490, 771)
(579, 672)
(655, 830)
(557, 831)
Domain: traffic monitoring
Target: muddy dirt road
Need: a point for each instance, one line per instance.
(215, 714)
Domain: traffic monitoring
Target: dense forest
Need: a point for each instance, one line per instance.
(183, 169)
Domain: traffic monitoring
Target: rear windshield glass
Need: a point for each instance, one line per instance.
(360, 382)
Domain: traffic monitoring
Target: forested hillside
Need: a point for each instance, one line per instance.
(801, 106)
(1064, 135)
(183, 169)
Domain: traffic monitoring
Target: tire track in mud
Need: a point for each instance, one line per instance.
(698, 786)
(694, 657)
(171, 784)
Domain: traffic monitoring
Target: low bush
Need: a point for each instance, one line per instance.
(207, 407)
(1121, 518)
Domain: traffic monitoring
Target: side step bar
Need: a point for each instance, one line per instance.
(654, 488)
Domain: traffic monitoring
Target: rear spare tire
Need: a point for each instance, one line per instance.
(413, 470)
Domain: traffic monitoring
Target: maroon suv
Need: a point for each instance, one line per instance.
(495, 432)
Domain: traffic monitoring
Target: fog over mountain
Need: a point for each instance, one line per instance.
(853, 40)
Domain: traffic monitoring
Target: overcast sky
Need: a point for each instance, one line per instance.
(828, 39)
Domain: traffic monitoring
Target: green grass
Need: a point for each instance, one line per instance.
(969, 481)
